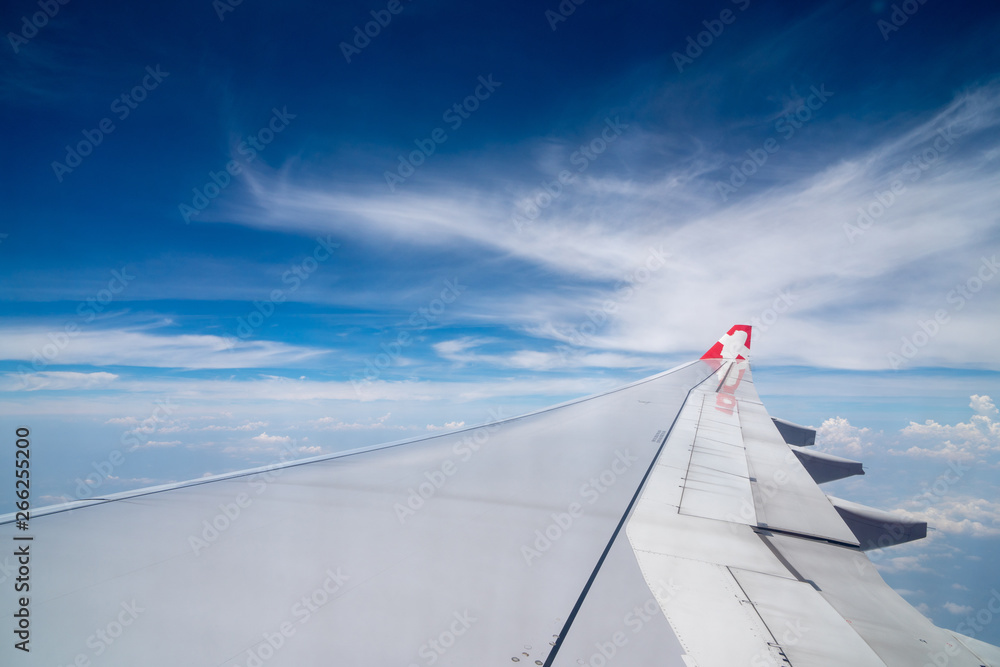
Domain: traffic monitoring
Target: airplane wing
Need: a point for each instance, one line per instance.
(667, 522)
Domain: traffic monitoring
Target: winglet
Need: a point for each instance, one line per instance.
(734, 345)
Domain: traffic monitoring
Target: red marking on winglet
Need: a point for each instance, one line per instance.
(734, 345)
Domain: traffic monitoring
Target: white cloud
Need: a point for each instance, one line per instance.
(838, 434)
(949, 451)
(462, 351)
(915, 563)
(129, 421)
(963, 441)
(48, 499)
(727, 261)
(979, 430)
(722, 261)
(266, 439)
(440, 397)
(905, 592)
(249, 426)
(134, 347)
(958, 609)
(982, 405)
(331, 424)
(55, 380)
(957, 515)
(455, 349)
(154, 444)
(166, 426)
(446, 426)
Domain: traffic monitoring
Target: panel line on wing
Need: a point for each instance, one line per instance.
(784, 561)
(557, 644)
(697, 424)
(774, 643)
(725, 376)
(717, 481)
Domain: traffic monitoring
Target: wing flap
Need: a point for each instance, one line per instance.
(790, 498)
(808, 630)
(849, 582)
(753, 531)
(988, 654)
(707, 599)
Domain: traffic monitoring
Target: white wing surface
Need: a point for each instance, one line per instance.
(666, 522)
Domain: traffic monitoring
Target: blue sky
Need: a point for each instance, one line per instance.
(224, 239)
